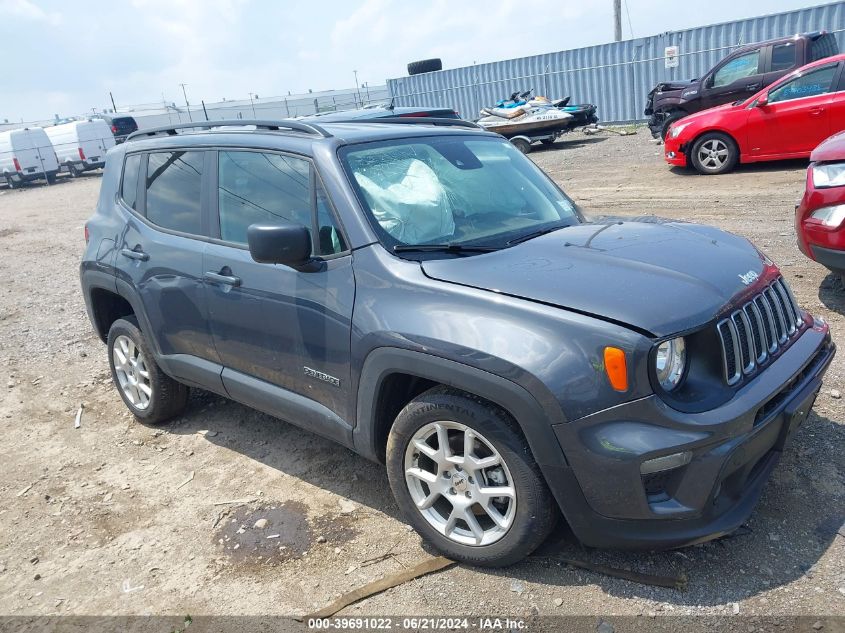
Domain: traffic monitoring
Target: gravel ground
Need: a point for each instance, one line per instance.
(119, 518)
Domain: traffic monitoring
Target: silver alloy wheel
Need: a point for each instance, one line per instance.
(132, 373)
(713, 154)
(460, 483)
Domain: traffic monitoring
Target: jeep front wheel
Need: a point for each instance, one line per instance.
(466, 480)
(150, 395)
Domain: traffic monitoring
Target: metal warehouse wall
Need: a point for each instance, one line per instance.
(616, 76)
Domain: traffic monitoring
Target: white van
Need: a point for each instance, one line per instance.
(25, 155)
(81, 145)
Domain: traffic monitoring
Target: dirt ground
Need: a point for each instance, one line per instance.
(119, 518)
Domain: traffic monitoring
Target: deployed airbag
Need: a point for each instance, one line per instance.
(408, 200)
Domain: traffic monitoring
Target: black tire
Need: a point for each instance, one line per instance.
(535, 513)
(668, 121)
(548, 141)
(12, 184)
(51, 179)
(522, 145)
(168, 397)
(73, 171)
(424, 66)
(720, 140)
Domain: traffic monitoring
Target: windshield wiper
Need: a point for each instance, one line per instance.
(443, 248)
(532, 235)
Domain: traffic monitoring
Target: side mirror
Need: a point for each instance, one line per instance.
(708, 82)
(763, 100)
(288, 244)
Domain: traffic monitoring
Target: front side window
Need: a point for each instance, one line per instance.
(736, 69)
(783, 56)
(254, 187)
(455, 190)
(129, 183)
(810, 84)
(174, 183)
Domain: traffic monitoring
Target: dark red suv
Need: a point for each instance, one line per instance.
(819, 217)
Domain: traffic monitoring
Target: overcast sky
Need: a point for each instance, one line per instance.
(63, 57)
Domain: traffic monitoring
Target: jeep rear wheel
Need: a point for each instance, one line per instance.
(466, 480)
(714, 153)
(150, 395)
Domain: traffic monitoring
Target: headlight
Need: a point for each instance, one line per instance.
(830, 216)
(676, 130)
(831, 175)
(671, 362)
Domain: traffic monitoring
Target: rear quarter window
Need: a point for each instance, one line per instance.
(129, 182)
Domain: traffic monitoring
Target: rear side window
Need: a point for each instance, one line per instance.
(736, 69)
(129, 183)
(255, 187)
(174, 184)
(783, 56)
(810, 84)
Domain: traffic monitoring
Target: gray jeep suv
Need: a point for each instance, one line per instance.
(424, 295)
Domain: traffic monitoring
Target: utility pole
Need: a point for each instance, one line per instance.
(358, 89)
(617, 20)
(251, 95)
(187, 105)
(113, 107)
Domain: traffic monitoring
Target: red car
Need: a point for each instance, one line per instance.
(818, 219)
(785, 120)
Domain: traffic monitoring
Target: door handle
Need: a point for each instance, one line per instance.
(816, 111)
(141, 256)
(752, 87)
(218, 278)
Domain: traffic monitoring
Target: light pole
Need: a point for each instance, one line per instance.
(358, 88)
(187, 105)
(251, 95)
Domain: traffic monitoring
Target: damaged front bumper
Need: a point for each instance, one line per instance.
(674, 151)
(729, 453)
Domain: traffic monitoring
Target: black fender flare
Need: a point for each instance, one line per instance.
(535, 422)
(92, 278)
(128, 292)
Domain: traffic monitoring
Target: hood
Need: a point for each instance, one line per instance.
(832, 149)
(660, 276)
(706, 114)
(674, 86)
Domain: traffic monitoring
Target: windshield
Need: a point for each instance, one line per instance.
(456, 191)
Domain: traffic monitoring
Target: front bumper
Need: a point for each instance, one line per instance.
(734, 448)
(673, 152)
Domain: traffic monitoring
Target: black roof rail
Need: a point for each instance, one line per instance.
(416, 120)
(283, 124)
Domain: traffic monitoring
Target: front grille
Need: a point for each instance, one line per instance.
(751, 334)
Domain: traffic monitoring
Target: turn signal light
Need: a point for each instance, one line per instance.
(616, 368)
